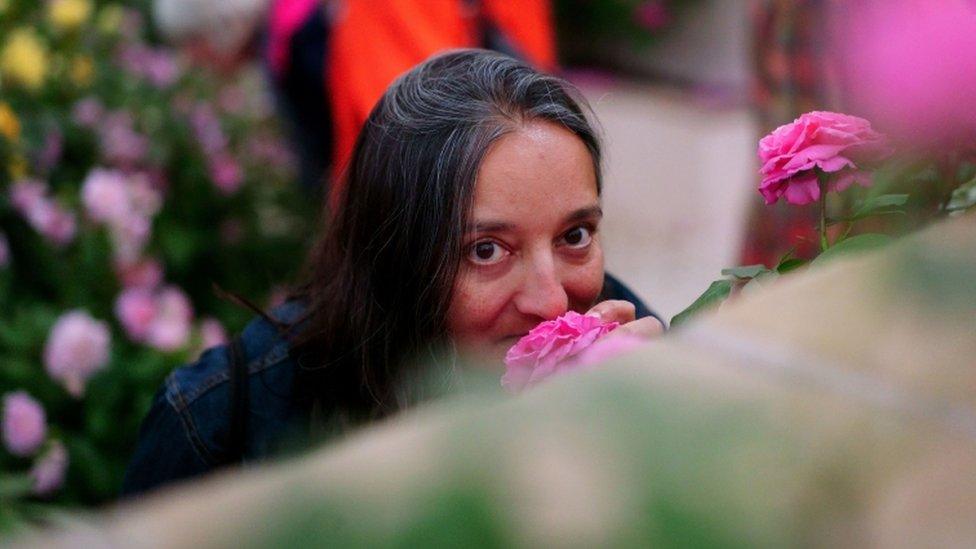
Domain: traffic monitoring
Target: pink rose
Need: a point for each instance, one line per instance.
(76, 348)
(831, 142)
(546, 349)
(652, 15)
(226, 173)
(105, 195)
(4, 251)
(120, 143)
(30, 198)
(87, 112)
(49, 471)
(136, 310)
(24, 424)
(212, 333)
(910, 65)
(144, 273)
(171, 327)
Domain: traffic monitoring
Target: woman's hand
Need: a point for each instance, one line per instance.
(624, 312)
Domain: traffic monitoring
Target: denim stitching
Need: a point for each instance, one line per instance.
(189, 427)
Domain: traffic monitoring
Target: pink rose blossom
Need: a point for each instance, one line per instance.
(212, 333)
(4, 251)
(910, 65)
(171, 327)
(548, 347)
(120, 143)
(76, 348)
(24, 424)
(144, 273)
(834, 143)
(226, 173)
(48, 472)
(55, 223)
(87, 112)
(105, 195)
(136, 310)
(652, 15)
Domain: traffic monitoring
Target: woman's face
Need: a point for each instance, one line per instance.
(532, 249)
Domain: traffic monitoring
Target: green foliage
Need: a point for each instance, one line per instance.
(717, 292)
(854, 245)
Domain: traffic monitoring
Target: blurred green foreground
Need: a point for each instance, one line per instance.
(836, 407)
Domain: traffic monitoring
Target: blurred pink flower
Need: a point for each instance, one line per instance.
(24, 424)
(212, 333)
(87, 112)
(105, 195)
(652, 15)
(171, 327)
(232, 99)
(55, 223)
(270, 150)
(158, 66)
(120, 143)
(910, 65)
(4, 251)
(49, 471)
(50, 153)
(608, 348)
(77, 347)
(136, 310)
(834, 143)
(129, 237)
(144, 273)
(546, 349)
(226, 173)
(207, 130)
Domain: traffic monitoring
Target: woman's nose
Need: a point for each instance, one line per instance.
(542, 293)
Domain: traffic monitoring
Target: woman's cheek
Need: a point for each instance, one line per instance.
(474, 310)
(585, 282)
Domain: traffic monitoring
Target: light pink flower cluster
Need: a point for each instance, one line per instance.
(547, 349)
(161, 318)
(225, 172)
(24, 424)
(87, 112)
(49, 471)
(834, 143)
(56, 224)
(126, 204)
(77, 347)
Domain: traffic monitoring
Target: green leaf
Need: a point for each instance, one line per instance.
(853, 245)
(760, 281)
(790, 265)
(963, 198)
(15, 486)
(716, 293)
(880, 205)
(748, 271)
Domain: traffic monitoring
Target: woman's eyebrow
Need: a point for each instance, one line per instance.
(585, 213)
(489, 227)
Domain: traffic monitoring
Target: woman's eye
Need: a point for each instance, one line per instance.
(486, 253)
(578, 237)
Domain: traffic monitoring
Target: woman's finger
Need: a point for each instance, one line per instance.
(614, 310)
(647, 327)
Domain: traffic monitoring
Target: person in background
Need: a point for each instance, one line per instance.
(330, 60)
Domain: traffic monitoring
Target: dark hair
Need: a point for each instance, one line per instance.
(380, 280)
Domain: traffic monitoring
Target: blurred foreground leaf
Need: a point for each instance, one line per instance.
(853, 245)
(716, 293)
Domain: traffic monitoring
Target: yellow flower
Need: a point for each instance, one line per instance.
(23, 59)
(110, 19)
(82, 71)
(17, 167)
(68, 15)
(9, 124)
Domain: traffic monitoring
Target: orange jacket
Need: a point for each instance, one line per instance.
(374, 41)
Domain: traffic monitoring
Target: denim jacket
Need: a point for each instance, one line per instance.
(186, 432)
